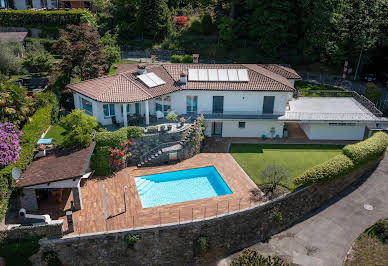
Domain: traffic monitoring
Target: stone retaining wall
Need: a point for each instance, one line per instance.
(52, 230)
(147, 142)
(173, 244)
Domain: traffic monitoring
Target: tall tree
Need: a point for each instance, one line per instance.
(81, 50)
(154, 19)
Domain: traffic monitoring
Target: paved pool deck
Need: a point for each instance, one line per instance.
(109, 191)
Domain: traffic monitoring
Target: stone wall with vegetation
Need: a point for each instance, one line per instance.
(175, 244)
(53, 230)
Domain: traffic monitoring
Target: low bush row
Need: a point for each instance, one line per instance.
(32, 131)
(368, 149)
(114, 139)
(47, 44)
(353, 156)
(35, 17)
(329, 170)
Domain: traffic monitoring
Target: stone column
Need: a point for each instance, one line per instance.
(77, 198)
(29, 201)
(125, 115)
(147, 112)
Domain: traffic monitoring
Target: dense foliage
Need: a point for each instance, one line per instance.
(15, 105)
(119, 155)
(10, 58)
(37, 59)
(201, 246)
(252, 257)
(329, 170)
(372, 93)
(106, 140)
(379, 230)
(82, 52)
(33, 17)
(17, 252)
(368, 149)
(79, 128)
(32, 131)
(9, 144)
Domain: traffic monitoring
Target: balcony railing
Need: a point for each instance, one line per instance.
(240, 115)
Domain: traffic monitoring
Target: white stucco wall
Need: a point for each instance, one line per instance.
(325, 131)
(253, 128)
(98, 110)
(234, 101)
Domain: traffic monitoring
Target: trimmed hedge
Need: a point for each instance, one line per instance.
(47, 44)
(113, 139)
(329, 170)
(368, 149)
(32, 131)
(13, 18)
(105, 140)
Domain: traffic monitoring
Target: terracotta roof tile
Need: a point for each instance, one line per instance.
(126, 87)
(59, 165)
(283, 71)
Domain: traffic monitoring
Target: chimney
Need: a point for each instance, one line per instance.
(183, 79)
(195, 58)
(141, 69)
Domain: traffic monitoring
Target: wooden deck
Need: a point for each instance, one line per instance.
(92, 217)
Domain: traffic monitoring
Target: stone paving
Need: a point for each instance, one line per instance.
(92, 217)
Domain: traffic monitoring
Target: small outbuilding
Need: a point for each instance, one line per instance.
(19, 37)
(55, 176)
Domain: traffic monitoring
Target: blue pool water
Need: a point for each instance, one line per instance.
(185, 185)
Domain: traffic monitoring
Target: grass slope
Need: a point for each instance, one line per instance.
(296, 158)
(58, 133)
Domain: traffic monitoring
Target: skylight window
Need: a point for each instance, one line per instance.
(232, 75)
(151, 80)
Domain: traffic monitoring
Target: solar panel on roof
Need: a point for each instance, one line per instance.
(232, 73)
(202, 75)
(193, 74)
(155, 79)
(213, 74)
(147, 81)
(242, 75)
(223, 75)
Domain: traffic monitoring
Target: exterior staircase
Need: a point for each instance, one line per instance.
(159, 154)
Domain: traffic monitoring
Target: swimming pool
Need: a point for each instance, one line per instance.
(185, 185)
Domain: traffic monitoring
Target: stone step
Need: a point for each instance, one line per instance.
(142, 185)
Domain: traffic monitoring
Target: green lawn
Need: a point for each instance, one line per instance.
(58, 133)
(296, 158)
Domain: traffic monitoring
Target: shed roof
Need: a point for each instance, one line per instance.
(13, 36)
(59, 165)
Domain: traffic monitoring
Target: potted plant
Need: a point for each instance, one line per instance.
(182, 120)
(163, 128)
(171, 116)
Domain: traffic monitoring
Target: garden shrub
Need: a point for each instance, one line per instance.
(51, 258)
(201, 246)
(79, 128)
(176, 58)
(379, 230)
(372, 93)
(368, 149)
(152, 129)
(47, 43)
(17, 252)
(253, 257)
(34, 17)
(131, 240)
(329, 170)
(187, 59)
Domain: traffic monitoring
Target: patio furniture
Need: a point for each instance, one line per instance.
(114, 121)
(45, 141)
(153, 118)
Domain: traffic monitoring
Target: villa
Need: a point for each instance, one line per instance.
(237, 100)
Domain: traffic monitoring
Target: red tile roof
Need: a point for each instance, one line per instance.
(283, 71)
(13, 36)
(126, 87)
(59, 165)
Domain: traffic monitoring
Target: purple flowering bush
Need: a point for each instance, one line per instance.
(9, 144)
